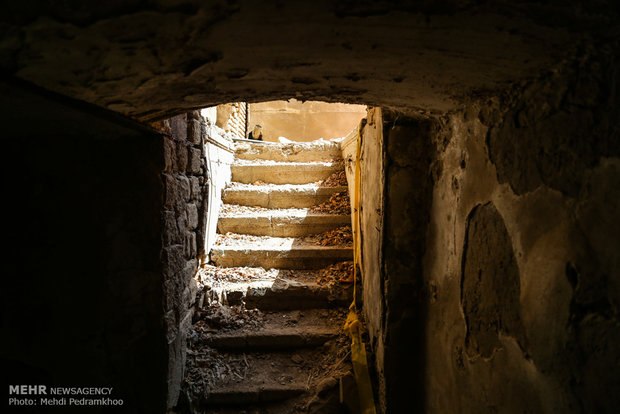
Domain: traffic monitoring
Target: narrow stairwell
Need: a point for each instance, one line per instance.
(268, 337)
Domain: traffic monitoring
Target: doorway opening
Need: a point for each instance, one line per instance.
(276, 284)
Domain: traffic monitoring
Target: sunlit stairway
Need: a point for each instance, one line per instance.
(286, 173)
(303, 319)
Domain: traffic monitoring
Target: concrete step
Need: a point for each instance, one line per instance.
(258, 377)
(283, 256)
(284, 172)
(300, 152)
(282, 338)
(287, 295)
(245, 394)
(281, 223)
(282, 330)
(282, 290)
(290, 294)
(278, 196)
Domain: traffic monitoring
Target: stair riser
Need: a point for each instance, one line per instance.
(291, 153)
(280, 199)
(279, 262)
(294, 299)
(259, 342)
(281, 226)
(282, 174)
(252, 397)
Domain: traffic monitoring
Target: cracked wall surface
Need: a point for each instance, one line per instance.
(154, 59)
(516, 250)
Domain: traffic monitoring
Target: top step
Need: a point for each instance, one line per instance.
(291, 152)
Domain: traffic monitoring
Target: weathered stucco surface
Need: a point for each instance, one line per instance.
(545, 339)
(154, 59)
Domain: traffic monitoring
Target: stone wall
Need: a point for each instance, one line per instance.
(184, 217)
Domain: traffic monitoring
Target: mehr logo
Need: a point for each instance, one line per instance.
(27, 390)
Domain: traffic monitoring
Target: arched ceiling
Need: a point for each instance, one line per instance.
(153, 59)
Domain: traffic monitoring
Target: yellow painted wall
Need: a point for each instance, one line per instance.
(305, 121)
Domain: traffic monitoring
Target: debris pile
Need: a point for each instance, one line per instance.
(342, 236)
(337, 179)
(217, 317)
(338, 203)
(340, 272)
(208, 273)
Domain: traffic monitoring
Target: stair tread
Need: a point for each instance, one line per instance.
(283, 324)
(284, 172)
(281, 226)
(258, 376)
(272, 188)
(301, 151)
(286, 294)
(284, 213)
(280, 248)
(274, 164)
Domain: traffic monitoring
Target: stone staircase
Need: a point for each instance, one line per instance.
(294, 360)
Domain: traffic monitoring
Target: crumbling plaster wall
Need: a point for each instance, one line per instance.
(521, 271)
(155, 59)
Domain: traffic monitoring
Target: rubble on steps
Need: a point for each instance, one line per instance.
(311, 374)
(341, 236)
(338, 203)
(337, 179)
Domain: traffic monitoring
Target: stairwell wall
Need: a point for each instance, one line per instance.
(519, 284)
(184, 219)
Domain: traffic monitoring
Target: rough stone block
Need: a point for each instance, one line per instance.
(194, 132)
(190, 245)
(196, 193)
(172, 326)
(192, 216)
(171, 231)
(177, 190)
(182, 157)
(182, 219)
(173, 260)
(170, 161)
(178, 125)
(194, 161)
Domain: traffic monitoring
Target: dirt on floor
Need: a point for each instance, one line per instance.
(315, 371)
(342, 236)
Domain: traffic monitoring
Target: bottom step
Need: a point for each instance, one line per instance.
(241, 395)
